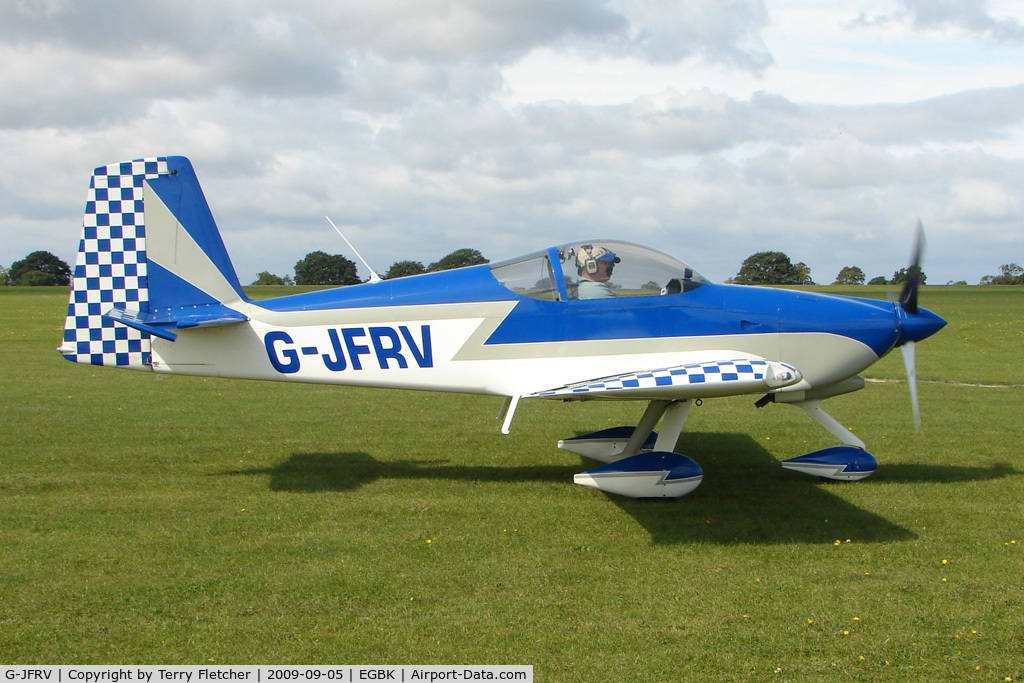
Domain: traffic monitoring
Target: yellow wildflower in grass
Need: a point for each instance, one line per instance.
(945, 562)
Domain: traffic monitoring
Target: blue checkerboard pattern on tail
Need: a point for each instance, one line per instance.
(110, 271)
(716, 372)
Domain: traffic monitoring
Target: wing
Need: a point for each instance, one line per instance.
(693, 380)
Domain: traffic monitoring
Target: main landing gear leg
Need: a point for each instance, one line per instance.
(672, 424)
(644, 429)
(634, 470)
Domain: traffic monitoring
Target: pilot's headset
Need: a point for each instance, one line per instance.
(588, 256)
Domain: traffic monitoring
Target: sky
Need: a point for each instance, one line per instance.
(709, 129)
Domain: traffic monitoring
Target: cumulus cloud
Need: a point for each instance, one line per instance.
(971, 16)
(722, 31)
(393, 118)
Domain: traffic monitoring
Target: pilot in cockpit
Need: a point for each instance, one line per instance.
(594, 265)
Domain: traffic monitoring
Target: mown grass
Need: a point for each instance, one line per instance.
(188, 520)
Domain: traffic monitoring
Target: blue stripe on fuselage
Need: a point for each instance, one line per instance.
(711, 310)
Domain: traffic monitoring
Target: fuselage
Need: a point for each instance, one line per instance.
(465, 331)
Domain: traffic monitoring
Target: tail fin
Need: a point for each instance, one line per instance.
(150, 263)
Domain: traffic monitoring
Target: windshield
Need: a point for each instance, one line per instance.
(596, 269)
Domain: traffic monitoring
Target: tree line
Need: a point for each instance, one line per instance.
(41, 268)
(776, 268)
(321, 268)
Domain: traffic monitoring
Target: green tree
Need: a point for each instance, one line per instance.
(900, 276)
(4, 279)
(404, 269)
(268, 278)
(850, 275)
(37, 278)
(460, 258)
(319, 268)
(803, 274)
(880, 280)
(43, 262)
(771, 268)
(1009, 274)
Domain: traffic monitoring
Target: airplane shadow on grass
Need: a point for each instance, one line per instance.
(318, 472)
(746, 496)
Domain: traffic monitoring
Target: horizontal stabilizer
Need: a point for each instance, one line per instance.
(647, 475)
(168, 322)
(693, 380)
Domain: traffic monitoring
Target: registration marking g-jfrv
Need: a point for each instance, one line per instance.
(344, 348)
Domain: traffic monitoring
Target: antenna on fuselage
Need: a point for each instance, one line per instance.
(373, 274)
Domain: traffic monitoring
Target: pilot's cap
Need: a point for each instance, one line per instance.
(588, 256)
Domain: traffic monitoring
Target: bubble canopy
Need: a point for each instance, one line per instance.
(568, 272)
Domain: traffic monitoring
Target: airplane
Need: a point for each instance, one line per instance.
(154, 290)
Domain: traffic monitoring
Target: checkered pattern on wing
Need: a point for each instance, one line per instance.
(695, 373)
(110, 271)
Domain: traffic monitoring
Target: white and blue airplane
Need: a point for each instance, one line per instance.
(154, 290)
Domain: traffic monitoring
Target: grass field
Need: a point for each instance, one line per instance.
(175, 520)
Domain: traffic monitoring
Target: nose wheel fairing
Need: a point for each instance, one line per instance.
(840, 463)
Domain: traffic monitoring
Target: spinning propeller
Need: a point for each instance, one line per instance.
(915, 323)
